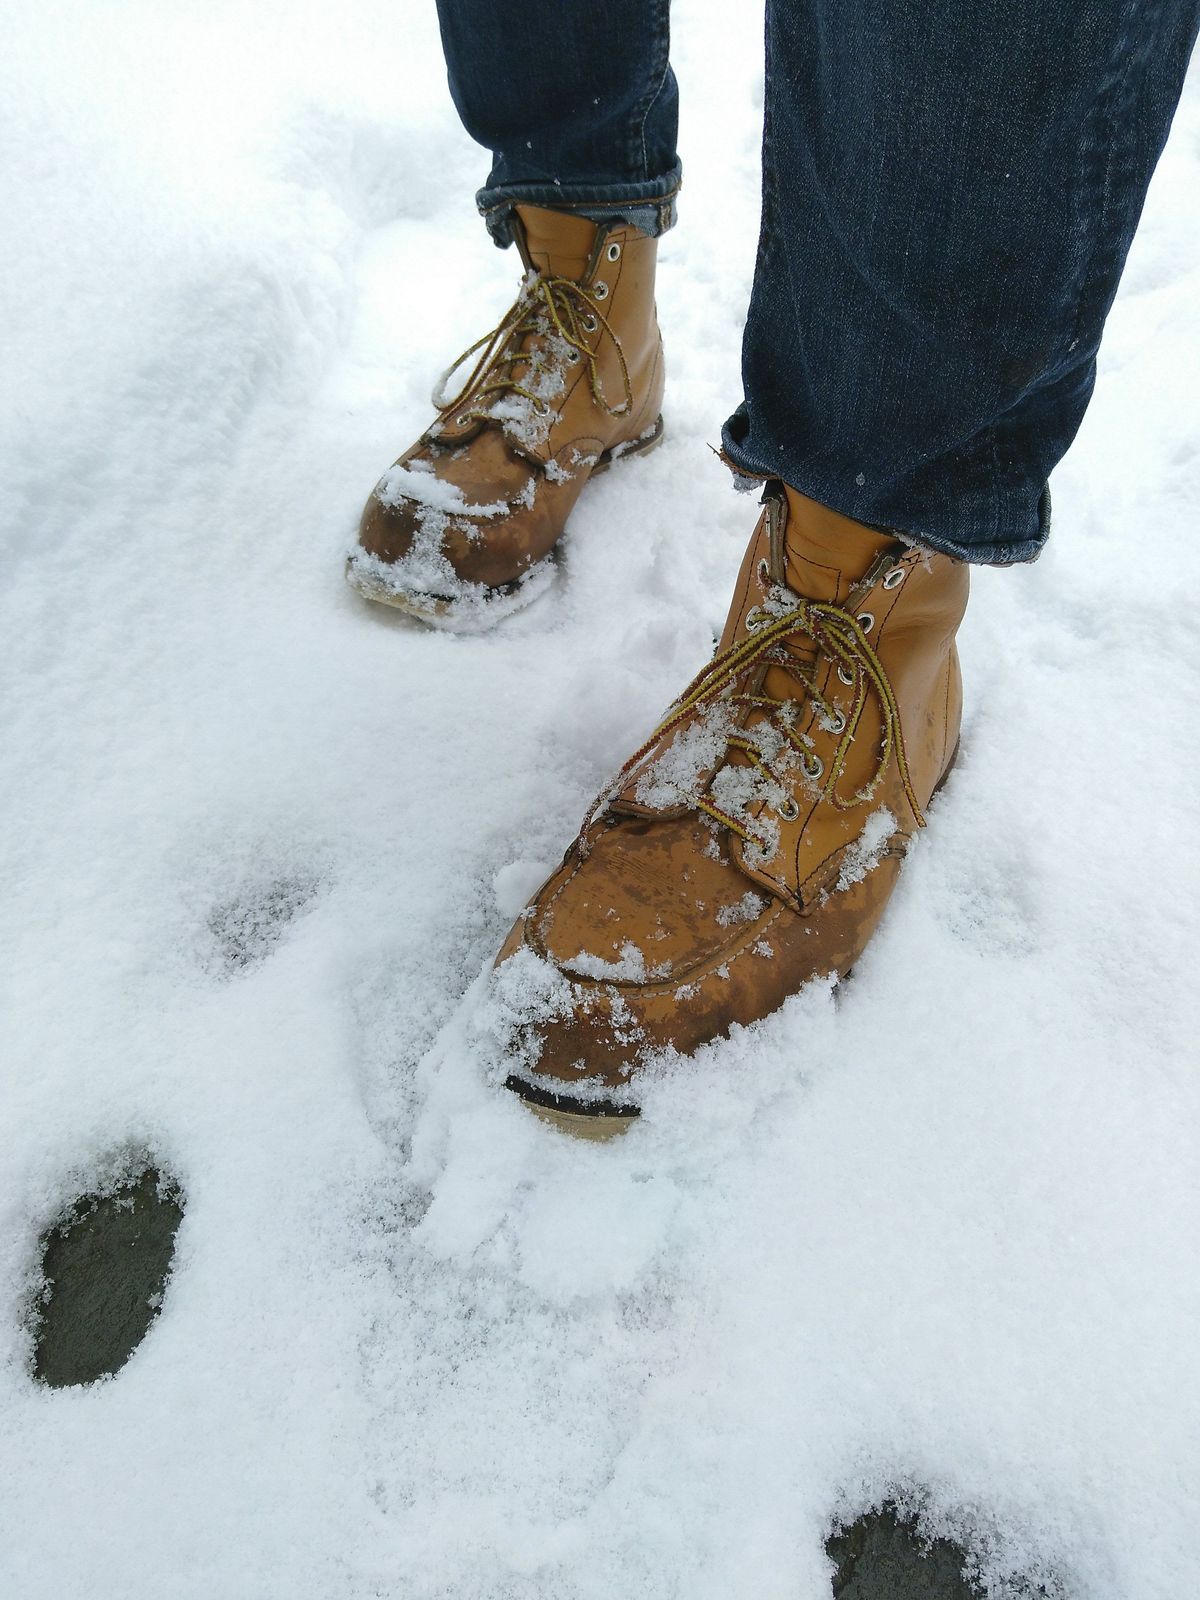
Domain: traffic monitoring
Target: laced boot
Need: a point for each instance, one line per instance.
(752, 842)
(461, 529)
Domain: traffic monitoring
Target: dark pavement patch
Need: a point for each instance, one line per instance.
(886, 1555)
(883, 1556)
(105, 1265)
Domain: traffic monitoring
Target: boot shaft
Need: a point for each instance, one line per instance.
(615, 266)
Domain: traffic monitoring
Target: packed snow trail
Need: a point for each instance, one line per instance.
(934, 1232)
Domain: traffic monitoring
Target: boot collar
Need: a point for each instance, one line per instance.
(556, 243)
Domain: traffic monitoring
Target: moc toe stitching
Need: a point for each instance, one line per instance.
(600, 1045)
(735, 945)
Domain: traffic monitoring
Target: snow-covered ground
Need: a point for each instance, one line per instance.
(934, 1234)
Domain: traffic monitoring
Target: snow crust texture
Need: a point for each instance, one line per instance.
(930, 1237)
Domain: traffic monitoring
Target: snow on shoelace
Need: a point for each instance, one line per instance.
(527, 416)
(685, 765)
(930, 1234)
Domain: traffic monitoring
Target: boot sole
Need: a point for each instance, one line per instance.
(597, 1120)
(603, 1120)
(476, 615)
(454, 615)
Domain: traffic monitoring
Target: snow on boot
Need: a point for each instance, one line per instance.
(753, 840)
(461, 529)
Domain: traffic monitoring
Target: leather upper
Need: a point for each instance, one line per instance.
(670, 925)
(484, 494)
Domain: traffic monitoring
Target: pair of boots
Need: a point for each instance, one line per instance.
(752, 841)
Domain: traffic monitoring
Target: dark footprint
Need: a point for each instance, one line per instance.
(105, 1265)
(883, 1555)
(247, 928)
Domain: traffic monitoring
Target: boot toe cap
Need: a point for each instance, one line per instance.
(653, 940)
(437, 552)
(387, 531)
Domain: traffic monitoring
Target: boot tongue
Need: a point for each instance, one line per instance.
(824, 556)
(826, 553)
(558, 244)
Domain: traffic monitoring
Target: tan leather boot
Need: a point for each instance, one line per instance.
(752, 842)
(460, 530)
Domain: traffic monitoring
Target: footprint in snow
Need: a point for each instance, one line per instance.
(105, 1264)
(886, 1555)
(246, 928)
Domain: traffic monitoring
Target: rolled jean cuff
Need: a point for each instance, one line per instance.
(648, 205)
(985, 554)
(947, 533)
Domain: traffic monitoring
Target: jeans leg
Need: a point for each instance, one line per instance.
(577, 103)
(950, 190)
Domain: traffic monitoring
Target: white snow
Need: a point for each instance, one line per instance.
(515, 882)
(629, 968)
(934, 1232)
(684, 767)
(746, 909)
(419, 484)
(866, 852)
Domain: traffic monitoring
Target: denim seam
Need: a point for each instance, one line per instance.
(1112, 133)
(662, 34)
(996, 474)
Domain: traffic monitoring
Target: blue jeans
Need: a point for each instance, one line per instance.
(950, 190)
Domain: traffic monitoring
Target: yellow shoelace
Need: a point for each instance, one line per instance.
(839, 637)
(545, 305)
